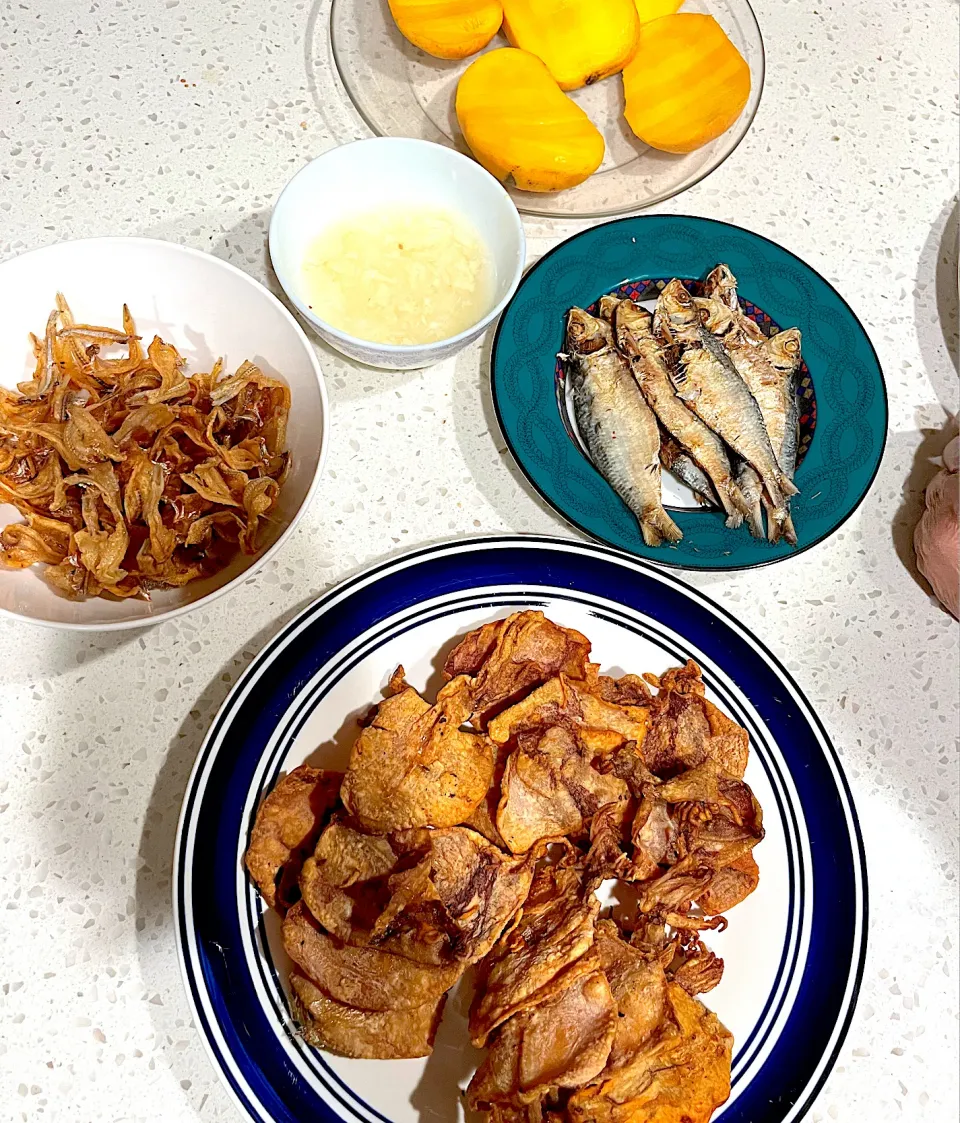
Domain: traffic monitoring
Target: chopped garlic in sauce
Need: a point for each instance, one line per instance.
(399, 275)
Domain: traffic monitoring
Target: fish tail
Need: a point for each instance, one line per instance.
(755, 520)
(748, 483)
(657, 526)
(782, 529)
(787, 486)
(738, 500)
(734, 504)
(734, 520)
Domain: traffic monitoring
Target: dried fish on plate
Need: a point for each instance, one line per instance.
(770, 382)
(616, 424)
(707, 381)
(685, 468)
(722, 393)
(651, 368)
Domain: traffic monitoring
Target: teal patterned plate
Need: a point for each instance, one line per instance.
(843, 401)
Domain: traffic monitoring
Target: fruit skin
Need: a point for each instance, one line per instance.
(519, 123)
(686, 84)
(448, 29)
(581, 41)
(649, 10)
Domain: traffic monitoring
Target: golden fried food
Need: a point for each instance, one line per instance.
(369, 1034)
(528, 1056)
(413, 766)
(363, 977)
(639, 988)
(454, 902)
(130, 475)
(541, 954)
(566, 699)
(730, 885)
(343, 884)
(550, 787)
(503, 660)
(688, 730)
(695, 967)
(286, 829)
(483, 818)
(455, 845)
(681, 1075)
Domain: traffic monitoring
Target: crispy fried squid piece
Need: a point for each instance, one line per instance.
(344, 882)
(561, 1042)
(413, 766)
(369, 1034)
(501, 661)
(363, 977)
(687, 730)
(695, 967)
(609, 854)
(605, 724)
(680, 1075)
(550, 786)
(541, 954)
(639, 988)
(483, 819)
(453, 905)
(286, 829)
(730, 885)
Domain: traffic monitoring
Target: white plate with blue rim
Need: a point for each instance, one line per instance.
(793, 951)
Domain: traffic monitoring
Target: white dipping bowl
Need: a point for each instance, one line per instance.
(383, 171)
(206, 309)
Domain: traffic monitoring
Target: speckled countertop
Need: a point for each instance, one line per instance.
(182, 119)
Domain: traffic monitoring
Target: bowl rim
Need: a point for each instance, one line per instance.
(258, 560)
(404, 350)
(526, 201)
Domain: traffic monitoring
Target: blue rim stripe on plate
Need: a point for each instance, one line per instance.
(209, 941)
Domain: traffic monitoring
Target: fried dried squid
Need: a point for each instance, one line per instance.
(131, 476)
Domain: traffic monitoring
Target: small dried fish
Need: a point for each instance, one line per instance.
(616, 424)
(651, 368)
(686, 469)
(707, 381)
(771, 383)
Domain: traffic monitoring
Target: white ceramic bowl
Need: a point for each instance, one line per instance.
(367, 174)
(207, 309)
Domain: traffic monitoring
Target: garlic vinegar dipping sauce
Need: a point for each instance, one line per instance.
(402, 274)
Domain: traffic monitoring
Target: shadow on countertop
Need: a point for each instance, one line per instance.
(937, 302)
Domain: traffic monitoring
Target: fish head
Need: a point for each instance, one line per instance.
(608, 306)
(722, 285)
(632, 325)
(784, 349)
(678, 319)
(715, 316)
(585, 333)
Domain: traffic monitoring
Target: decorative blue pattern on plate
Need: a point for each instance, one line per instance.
(794, 951)
(842, 381)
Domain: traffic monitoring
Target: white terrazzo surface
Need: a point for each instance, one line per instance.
(182, 119)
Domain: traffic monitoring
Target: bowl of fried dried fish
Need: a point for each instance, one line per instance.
(689, 391)
(555, 867)
(150, 457)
